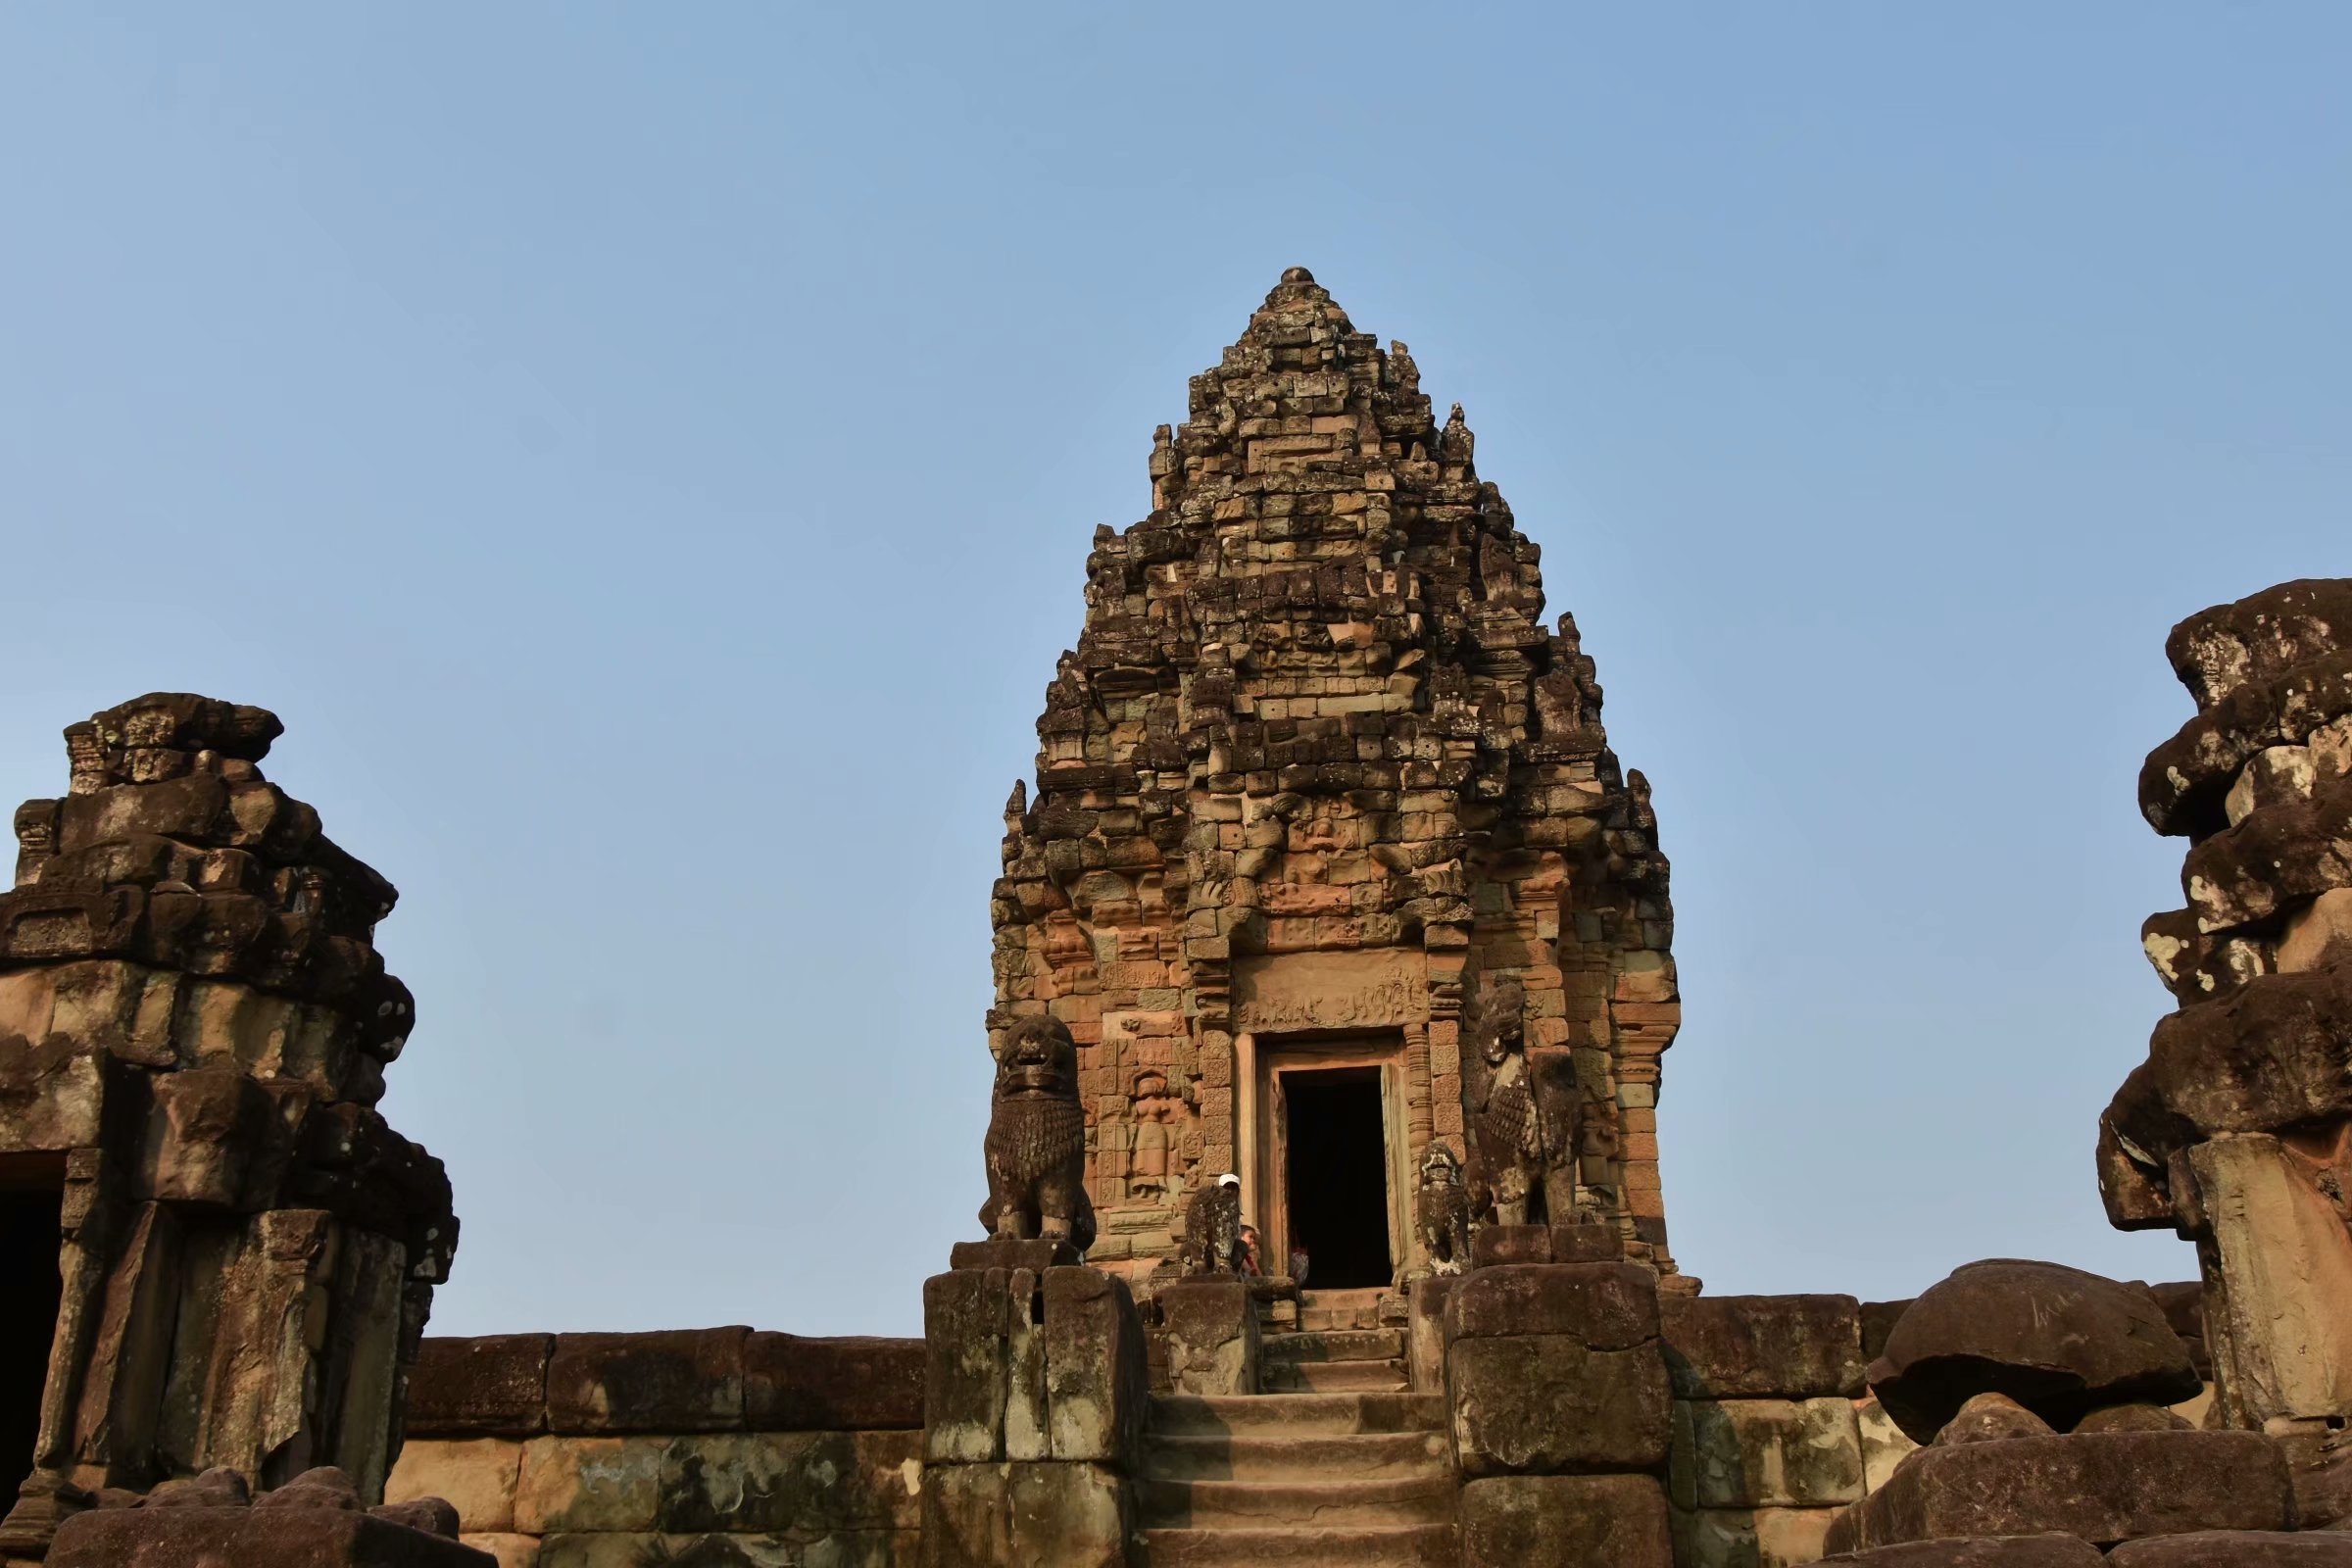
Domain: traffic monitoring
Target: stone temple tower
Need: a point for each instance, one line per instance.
(1329, 862)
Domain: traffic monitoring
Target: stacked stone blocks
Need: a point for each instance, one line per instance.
(578, 1451)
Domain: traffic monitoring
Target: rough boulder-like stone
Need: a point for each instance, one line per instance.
(1517, 1521)
(1989, 1418)
(1763, 1347)
(2003, 1551)
(2059, 1341)
(2236, 1549)
(2104, 1488)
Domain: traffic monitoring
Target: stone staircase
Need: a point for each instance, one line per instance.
(1348, 1480)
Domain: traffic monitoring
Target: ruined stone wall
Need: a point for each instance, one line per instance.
(194, 1026)
(718, 1445)
(1315, 763)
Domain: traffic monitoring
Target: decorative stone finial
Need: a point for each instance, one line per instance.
(1296, 274)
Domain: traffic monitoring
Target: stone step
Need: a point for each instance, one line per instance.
(1292, 1504)
(1395, 1547)
(1333, 1377)
(1334, 1345)
(1321, 1310)
(1356, 1456)
(1301, 1416)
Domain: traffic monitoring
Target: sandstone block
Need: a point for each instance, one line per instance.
(1999, 1552)
(780, 1483)
(681, 1380)
(1209, 1328)
(507, 1550)
(993, 1515)
(2236, 1549)
(250, 1537)
(1605, 1307)
(2058, 1341)
(967, 1372)
(1745, 1538)
(1096, 1395)
(1513, 1521)
(1763, 1347)
(1884, 1443)
(476, 1476)
(797, 1384)
(490, 1386)
(2104, 1488)
(1766, 1454)
(1547, 1405)
(588, 1483)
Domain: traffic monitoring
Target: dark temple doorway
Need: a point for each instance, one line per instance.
(1335, 1176)
(30, 1291)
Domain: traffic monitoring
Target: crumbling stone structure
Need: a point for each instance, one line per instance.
(2236, 1132)
(220, 1254)
(1313, 768)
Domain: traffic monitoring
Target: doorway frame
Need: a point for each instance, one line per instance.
(1264, 1151)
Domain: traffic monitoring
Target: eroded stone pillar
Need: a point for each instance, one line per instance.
(194, 1026)
(2236, 1132)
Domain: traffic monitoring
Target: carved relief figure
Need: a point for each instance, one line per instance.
(1441, 1210)
(1159, 1117)
(1212, 1227)
(1507, 1131)
(1036, 1144)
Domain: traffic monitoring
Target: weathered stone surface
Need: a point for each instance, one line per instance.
(1879, 1319)
(251, 1537)
(1546, 1404)
(1034, 1254)
(992, 1515)
(2056, 1339)
(797, 1482)
(1998, 1552)
(476, 1476)
(968, 1329)
(2106, 1488)
(2282, 1261)
(2131, 1418)
(1208, 1325)
(1514, 1521)
(796, 1383)
(1606, 1307)
(507, 1550)
(1096, 1394)
(2279, 856)
(1767, 1453)
(2272, 1053)
(682, 1379)
(588, 1483)
(1751, 1537)
(2184, 782)
(1763, 1347)
(489, 1387)
(2260, 637)
(1990, 1418)
(2236, 1549)
(1884, 1443)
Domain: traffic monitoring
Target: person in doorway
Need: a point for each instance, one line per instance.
(1298, 1261)
(1250, 1262)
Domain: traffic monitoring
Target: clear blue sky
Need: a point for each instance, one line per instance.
(648, 455)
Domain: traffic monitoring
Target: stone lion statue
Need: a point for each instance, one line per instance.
(1036, 1144)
